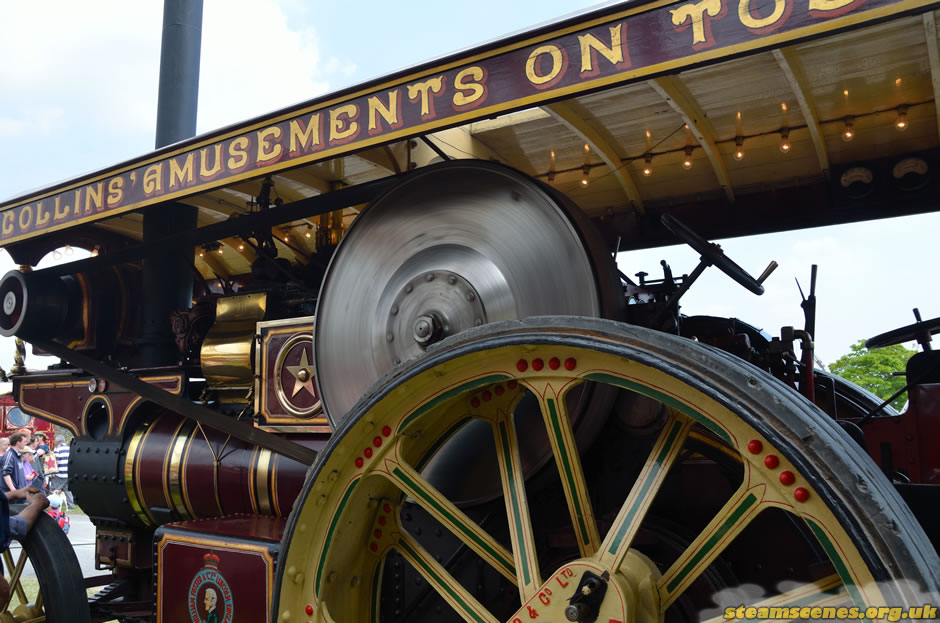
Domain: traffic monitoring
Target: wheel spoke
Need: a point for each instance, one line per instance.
(821, 593)
(517, 508)
(634, 509)
(567, 458)
(443, 582)
(16, 570)
(469, 532)
(733, 517)
(8, 563)
(39, 601)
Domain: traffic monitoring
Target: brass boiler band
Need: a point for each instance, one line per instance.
(196, 473)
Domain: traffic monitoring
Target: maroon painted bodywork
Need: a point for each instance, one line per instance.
(234, 556)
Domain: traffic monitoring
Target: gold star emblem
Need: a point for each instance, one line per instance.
(303, 378)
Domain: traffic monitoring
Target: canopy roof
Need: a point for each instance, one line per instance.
(632, 110)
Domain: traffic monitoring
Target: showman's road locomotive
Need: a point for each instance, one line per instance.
(370, 358)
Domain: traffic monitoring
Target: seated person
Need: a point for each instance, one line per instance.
(18, 526)
(55, 511)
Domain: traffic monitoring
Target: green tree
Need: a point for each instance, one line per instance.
(874, 369)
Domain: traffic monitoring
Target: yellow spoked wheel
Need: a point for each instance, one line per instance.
(44, 577)
(712, 486)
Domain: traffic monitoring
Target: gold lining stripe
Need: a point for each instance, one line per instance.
(153, 380)
(168, 463)
(264, 487)
(274, 460)
(185, 486)
(174, 474)
(252, 480)
(131, 475)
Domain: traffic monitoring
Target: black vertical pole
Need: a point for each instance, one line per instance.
(167, 277)
(179, 71)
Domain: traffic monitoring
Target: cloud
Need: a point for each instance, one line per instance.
(255, 60)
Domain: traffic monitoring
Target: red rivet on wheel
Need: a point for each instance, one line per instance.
(512, 384)
(522, 365)
(374, 546)
(498, 390)
(359, 461)
(787, 478)
(800, 494)
(368, 453)
(474, 402)
(386, 430)
(754, 446)
(377, 533)
(771, 461)
(537, 364)
(309, 610)
(387, 508)
(570, 363)
(487, 395)
(376, 441)
(554, 363)
(382, 521)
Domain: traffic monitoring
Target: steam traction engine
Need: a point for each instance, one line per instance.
(321, 389)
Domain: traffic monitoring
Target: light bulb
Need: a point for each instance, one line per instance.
(848, 132)
(586, 175)
(785, 141)
(648, 167)
(739, 151)
(687, 162)
(901, 122)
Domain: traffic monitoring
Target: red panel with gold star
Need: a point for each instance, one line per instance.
(286, 392)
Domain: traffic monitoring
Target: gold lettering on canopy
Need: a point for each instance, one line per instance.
(115, 194)
(698, 14)
(470, 89)
(388, 112)
(616, 52)
(181, 175)
(425, 92)
(304, 137)
(269, 147)
(204, 171)
(343, 124)
(556, 56)
(758, 23)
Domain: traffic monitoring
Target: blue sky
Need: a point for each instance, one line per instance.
(80, 89)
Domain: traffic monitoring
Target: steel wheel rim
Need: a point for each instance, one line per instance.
(388, 423)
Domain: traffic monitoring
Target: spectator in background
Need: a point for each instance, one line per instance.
(11, 466)
(60, 480)
(4, 445)
(42, 452)
(30, 473)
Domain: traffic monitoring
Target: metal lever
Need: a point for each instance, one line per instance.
(767, 271)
